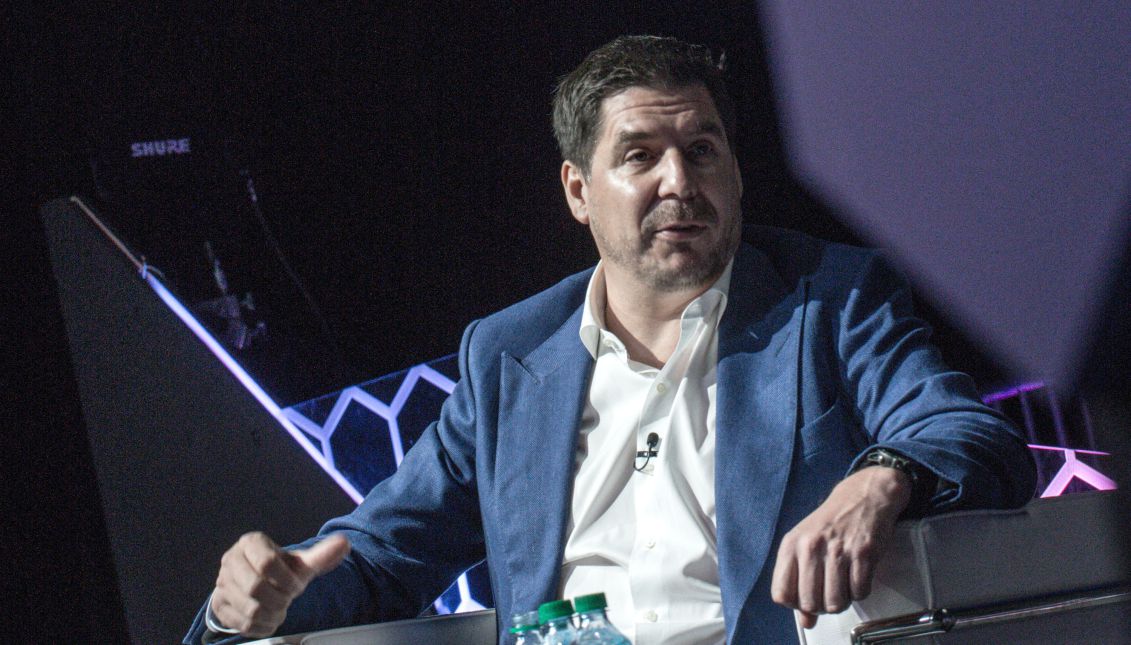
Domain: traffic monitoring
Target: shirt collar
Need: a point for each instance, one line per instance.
(593, 313)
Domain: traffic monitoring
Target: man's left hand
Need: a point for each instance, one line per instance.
(827, 560)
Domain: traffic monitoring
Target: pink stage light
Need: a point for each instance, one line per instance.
(1073, 468)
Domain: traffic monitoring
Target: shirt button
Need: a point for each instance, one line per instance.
(651, 616)
(661, 387)
(651, 544)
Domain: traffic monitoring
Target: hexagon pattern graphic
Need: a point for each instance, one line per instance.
(364, 431)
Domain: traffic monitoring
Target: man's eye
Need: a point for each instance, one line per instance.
(700, 150)
(637, 156)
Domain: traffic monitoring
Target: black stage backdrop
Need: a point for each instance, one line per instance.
(405, 170)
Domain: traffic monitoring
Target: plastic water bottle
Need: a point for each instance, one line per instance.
(556, 626)
(595, 627)
(524, 629)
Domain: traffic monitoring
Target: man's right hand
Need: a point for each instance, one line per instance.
(258, 580)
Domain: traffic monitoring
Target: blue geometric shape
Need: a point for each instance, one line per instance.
(421, 408)
(361, 447)
(364, 431)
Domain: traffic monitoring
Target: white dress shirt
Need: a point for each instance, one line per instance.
(647, 539)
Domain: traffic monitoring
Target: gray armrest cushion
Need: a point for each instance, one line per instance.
(976, 558)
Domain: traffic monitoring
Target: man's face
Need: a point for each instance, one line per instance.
(662, 198)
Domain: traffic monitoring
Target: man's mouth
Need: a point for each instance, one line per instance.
(677, 231)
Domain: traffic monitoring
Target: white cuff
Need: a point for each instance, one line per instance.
(213, 623)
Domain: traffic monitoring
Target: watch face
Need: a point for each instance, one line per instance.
(881, 457)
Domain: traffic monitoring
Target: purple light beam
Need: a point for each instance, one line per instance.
(245, 379)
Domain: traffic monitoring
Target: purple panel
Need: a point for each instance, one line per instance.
(988, 145)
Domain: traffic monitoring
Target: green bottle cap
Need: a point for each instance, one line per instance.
(590, 602)
(553, 610)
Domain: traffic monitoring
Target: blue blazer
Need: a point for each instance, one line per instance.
(820, 357)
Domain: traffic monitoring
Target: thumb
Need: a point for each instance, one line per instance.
(322, 557)
(807, 620)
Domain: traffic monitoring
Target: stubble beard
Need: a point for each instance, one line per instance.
(703, 268)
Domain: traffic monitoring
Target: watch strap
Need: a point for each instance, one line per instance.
(924, 483)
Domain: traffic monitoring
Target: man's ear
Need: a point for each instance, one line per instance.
(576, 191)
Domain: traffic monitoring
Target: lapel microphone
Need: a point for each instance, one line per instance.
(653, 442)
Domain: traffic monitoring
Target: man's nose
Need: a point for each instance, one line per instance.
(677, 177)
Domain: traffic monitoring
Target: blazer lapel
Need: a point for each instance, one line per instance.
(540, 403)
(755, 422)
(541, 399)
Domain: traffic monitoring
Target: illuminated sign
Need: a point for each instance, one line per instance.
(161, 148)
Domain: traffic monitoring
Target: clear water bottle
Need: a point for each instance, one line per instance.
(595, 628)
(556, 626)
(524, 629)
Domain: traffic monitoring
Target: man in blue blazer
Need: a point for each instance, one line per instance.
(831, 415)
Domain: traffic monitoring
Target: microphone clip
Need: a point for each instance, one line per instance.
(653, 443)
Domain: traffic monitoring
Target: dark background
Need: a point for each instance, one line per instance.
(405, 168)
